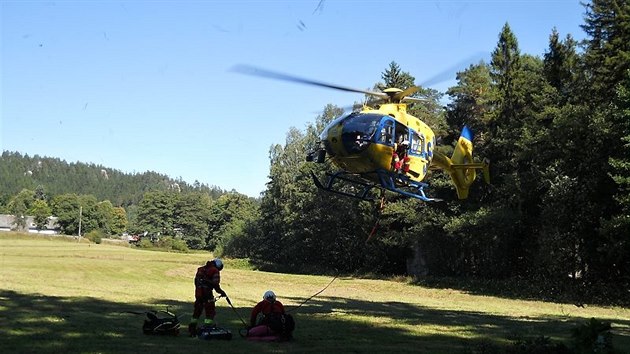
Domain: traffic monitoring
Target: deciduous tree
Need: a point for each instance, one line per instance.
(40, 212)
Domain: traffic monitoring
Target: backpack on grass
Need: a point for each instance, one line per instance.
(281, 323)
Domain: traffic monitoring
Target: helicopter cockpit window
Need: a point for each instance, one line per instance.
(358, 131)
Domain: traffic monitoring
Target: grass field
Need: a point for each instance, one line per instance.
(62, 296)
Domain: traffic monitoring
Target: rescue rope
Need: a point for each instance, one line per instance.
(317, 293)
(379, 212)
(135, 312)
(373, 232)
(153, 311)
(245, 328)
(236, 312)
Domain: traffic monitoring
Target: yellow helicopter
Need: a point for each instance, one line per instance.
(385, 147)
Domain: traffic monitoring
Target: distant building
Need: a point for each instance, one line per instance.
(51, 227)
(6, 222)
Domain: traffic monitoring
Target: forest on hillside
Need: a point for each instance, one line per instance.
(555, 126)
(19, 171)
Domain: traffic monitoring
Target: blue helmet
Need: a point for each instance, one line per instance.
(218, 263)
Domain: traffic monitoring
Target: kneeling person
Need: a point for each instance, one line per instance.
(268, 320)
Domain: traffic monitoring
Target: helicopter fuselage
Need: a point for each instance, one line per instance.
(365, 142)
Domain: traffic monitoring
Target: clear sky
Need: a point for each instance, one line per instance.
(146, 85)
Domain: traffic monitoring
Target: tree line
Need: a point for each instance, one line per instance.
(111, 202)
(193, 217)
(555, 127)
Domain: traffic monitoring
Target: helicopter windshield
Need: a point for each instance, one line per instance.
(358, 131)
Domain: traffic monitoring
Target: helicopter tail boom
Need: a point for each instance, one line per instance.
(460, 165)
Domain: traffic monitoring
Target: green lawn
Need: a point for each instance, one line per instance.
(61, 296)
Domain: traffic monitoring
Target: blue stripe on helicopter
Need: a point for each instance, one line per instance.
(467, 133)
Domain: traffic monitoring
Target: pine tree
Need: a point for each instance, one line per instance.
(615, 231)
(607, 56)
(471, 102)
(620, 162)
(504, 68)
(504, 125)
(561, 66)
(393, 76)
(156, 212)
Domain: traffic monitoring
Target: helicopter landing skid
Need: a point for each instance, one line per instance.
(363, 194)
(388, 181)
(413, 189)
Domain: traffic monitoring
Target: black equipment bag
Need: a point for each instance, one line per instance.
(162, 325)
(281, 323)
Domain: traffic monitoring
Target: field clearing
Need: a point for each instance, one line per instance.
(58, 295)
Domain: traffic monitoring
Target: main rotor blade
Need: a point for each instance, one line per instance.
(450, 73)
(402, 95)
(413, 99)
(252, 70)
(410, 91)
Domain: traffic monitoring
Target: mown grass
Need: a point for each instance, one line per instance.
(61, 296)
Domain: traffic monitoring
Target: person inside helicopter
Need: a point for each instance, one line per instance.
(386, 133)
(400, 156)
(358, 131)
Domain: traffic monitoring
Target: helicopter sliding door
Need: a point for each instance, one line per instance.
(392, 132)
(402, 133)
(418, 153)
(418, 145)
(393, 142)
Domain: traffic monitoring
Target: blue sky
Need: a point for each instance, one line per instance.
(146, 85)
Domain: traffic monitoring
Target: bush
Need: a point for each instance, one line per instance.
(145, 243)
(236, 240)
(171, 243)
(167, 243)
(179, 245)
(95, 236)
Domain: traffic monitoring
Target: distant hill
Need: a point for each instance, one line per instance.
(57, 176)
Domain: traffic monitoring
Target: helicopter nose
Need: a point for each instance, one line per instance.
(331, 140)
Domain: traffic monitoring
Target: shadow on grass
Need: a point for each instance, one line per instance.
(566, 291)
(34, 323)
(476, 324)
(551, 290)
